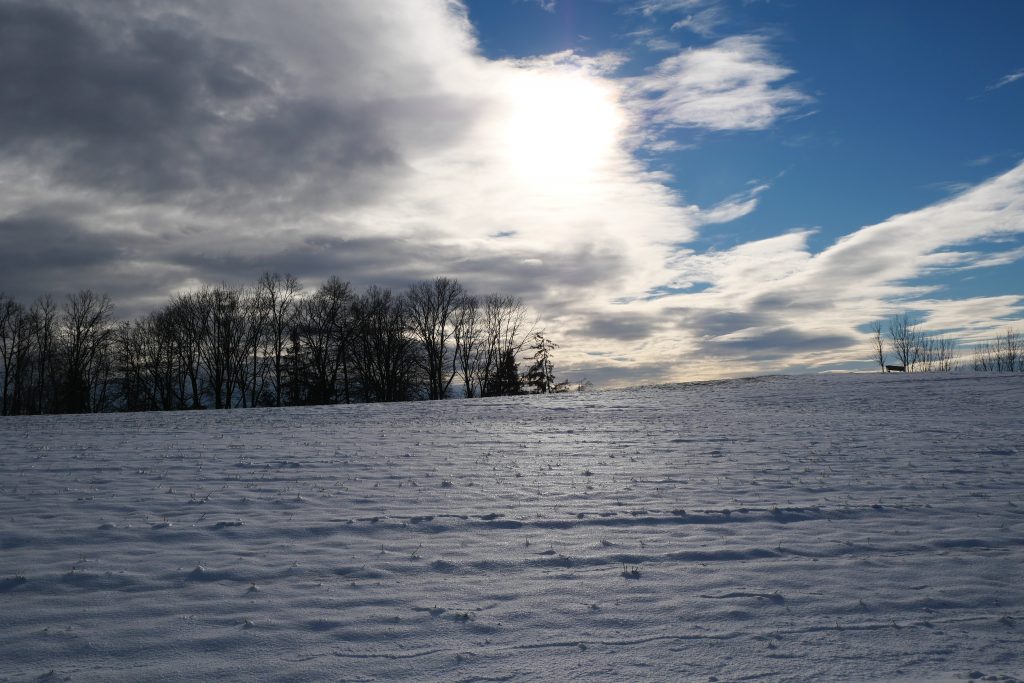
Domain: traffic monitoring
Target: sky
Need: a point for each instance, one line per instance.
(678, 189)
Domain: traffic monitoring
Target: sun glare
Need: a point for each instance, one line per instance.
(561, 127)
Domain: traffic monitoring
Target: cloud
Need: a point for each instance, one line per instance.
(168, 144)
(769, 295)
(651, 7)
(1007, 80)
(734, 207)
(730, 85)
(703, 23)
(620, 326)
(198, 143)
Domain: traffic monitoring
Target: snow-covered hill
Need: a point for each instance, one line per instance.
(862, 527)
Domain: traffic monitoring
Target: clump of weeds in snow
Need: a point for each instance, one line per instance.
(631, 571)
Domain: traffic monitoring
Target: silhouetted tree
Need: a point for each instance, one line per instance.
(504, 337)
(878, 343)
(469, 343)
(540, 376)
(505, 380)
(1004, 353)
(14, 325)
(222, 335)
(433, 315)
(904, 339)
(187, 316)
(324, 324)
(280, 294)
(227, 347)
(383, 354)
(85, 335)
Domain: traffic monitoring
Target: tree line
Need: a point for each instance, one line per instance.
(269, 344)
(901, 338)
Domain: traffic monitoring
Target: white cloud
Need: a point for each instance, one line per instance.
(730, 85)
(650, 7)
(761, 290)
(1007, 79)
(703, 23)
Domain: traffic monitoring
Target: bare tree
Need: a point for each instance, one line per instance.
(384, 355)
(12, 341)
(946, 353)
(217, 313)
(433, 309)
(323, 327)
(505, 318)
(86, 332)
(468, 336)
(1004, 353)
(904, 339)
(240, 347)
(188, 317)
(878, 343)
(281, 293)
(251, 365)
(1011, 351)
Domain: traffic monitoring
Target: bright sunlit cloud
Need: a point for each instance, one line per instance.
(563, 126)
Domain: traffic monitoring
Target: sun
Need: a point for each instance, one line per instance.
(562, 126)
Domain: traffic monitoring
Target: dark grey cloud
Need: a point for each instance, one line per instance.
(718, 322)
(46, 241)
(608, 374)
(153, 103)
(621, 326)
(46, 253)
(782, 343)
(397, 262)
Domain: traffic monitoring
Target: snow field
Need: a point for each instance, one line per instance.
(859, 527)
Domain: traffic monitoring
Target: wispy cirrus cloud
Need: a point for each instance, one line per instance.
(650, 7)
(759, 294)
(704, 22)
(1006, 80)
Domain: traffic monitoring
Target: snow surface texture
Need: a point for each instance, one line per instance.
(860, 527)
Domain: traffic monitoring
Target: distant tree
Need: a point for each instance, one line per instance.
(945, 354)
(229, 347)
(186, 319)
(904, 339)
(12, 340)
(469, 343)
(164, 367)
(222, 341)
(505, 318)
(42, 382)
(383, 354)
(433, 309)
(505, 379)
(540, 376)
(1004, 353)
(253, 363)
(86, 334)
(280, 294)
(324, 324)
(878, 343)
